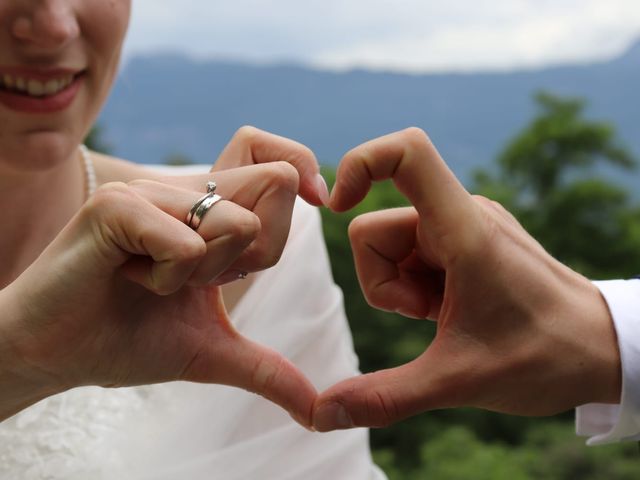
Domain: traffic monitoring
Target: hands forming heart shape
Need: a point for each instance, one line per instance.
(127, 293)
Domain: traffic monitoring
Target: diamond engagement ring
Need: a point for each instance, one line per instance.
(202, 206)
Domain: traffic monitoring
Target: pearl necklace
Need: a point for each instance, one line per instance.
(89, 171)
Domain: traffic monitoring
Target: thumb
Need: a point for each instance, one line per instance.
(414, 164)
(378, 399)
(266, 372)
(239, 362)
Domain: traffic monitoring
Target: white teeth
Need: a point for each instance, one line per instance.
(36, 88)
(33, 87)
(51, 87)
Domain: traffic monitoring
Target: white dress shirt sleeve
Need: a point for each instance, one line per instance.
(611, 423)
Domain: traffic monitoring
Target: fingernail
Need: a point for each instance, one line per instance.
(332, 416)
(303, 422)
(323, 190)
(332, 196)
(408, 313)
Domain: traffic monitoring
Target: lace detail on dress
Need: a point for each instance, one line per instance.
(68, 436)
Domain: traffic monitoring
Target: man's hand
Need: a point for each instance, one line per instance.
(518, 332)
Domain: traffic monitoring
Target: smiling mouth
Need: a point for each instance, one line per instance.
(36, 88)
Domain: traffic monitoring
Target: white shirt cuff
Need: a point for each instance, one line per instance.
(611, 423)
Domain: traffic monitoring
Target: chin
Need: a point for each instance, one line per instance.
(38, 151)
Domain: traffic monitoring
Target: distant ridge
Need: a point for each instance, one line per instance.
(632, 55)
(165, 104)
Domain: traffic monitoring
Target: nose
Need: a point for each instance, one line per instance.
(48, 24)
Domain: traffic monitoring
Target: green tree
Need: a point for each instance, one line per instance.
(549, 177)
(540, 159)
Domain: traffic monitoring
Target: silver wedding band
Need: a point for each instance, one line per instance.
(202, 206)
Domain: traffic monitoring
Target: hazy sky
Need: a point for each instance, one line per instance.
(400, 34)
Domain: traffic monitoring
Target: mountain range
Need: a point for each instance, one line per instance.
(165, 104)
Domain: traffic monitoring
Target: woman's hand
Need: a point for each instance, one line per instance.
(250, 146)
(126, 293)
(518, 332)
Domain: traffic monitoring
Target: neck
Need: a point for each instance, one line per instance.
(35, 207)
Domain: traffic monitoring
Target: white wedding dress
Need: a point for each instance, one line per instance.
(195, 432)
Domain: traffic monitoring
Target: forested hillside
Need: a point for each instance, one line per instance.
(168, 104)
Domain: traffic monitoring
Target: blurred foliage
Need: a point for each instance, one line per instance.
(549, 177)
(95, 140)
(177, 160)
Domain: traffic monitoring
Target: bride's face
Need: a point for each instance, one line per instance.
(58, 59)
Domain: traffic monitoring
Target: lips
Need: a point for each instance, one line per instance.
(38, 91)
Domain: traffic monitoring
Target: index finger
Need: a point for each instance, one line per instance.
(251, 146)
(412, 161)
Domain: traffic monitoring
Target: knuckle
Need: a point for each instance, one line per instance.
(106, 197)
(190, 250)
(485, 235)
(351, 156)
(306, 152)
(381, 408)
(417, 138)
(108, 191)
(245, 227)
(489, 203)
(481, 199)
(375, 297)
(262, 254)
(303, 154)
(283, 175)
(246, 133)
(358, 228)
(492, 212)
